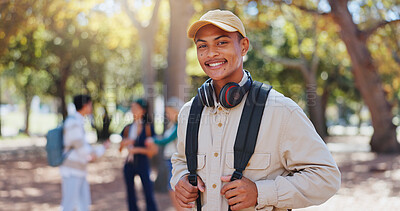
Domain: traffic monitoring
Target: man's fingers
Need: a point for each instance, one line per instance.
(185, 198)
(185, 193)
(226, 178)
(186, 190)
(183, 204)
(185, 184)
(238, 206)
(235, 199)
(229, 185)
(231, 193)
(200, 184)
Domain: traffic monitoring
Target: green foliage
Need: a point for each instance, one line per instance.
(93, 48)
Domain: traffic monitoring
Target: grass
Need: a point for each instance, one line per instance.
(39, 123)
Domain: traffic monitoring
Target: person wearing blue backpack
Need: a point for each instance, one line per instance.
(242, 145)
(75, 187)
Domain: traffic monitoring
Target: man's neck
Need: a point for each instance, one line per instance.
(82, 113)
(219, 84)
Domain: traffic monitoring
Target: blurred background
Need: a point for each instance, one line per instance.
(338, 59)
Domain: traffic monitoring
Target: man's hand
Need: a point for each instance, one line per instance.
(107, 144)
(92, 157)
(241, 193)
(125, 142)
(185, 193)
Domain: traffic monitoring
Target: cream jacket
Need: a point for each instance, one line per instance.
(75, 137)
(291, 165)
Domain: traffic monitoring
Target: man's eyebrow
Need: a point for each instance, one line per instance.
(222, 37)
(219, 37)
(199, 40)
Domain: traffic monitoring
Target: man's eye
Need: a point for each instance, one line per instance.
(202, 46)
(222, 43)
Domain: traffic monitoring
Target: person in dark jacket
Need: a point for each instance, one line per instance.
(137, 139)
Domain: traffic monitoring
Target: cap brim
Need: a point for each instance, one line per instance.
(198, 24)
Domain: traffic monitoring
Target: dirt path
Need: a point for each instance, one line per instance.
(28, 183)
(369, 181)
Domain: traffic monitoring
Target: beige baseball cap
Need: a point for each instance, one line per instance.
(223, 19)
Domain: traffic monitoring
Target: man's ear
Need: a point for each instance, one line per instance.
(244, 44)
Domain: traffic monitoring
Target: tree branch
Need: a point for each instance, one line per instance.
(292, 63)
(315, 58)
(153, 20)
(364, 35)
(311, 11)
(396, 57)
(131, 15)
(289, 16)
(4, 1)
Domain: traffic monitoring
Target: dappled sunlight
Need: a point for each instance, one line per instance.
(395, 175)
(28, 183)
(34, 192)
(369, 182)
(347, 83)
(24, 165)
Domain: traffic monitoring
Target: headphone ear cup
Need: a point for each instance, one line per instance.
(208, 89)
(205, 94)
(200, 93)
(230, 95)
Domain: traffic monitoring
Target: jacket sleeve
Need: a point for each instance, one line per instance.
(313, 174)
(166, 140)
(178, 159)
(74, 135)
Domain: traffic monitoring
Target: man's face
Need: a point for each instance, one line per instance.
(220, 53)
(171, 113)
(88, 108)
(137, 111)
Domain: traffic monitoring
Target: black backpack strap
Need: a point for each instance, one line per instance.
(191, 147)
(249, 127)
(245, 139)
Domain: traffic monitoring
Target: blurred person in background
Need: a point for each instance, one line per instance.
(75, 187)
(137, 139)
(172, 108)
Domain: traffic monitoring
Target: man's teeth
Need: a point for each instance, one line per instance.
(216, 64)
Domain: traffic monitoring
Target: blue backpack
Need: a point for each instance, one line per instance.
(55, 146)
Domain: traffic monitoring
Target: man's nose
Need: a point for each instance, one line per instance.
(212, 51)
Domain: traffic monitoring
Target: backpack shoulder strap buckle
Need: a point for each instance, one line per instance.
(192, 179)
(236, 175)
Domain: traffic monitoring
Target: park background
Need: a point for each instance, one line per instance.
(338, 59)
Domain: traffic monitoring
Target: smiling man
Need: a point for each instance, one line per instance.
(291, 166)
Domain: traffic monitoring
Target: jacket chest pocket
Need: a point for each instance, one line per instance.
(201, 163)
(258, 161)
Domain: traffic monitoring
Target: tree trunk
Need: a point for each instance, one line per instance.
(367, 80)
(314, 105)
(147, 35)
(28, 101)
(28, 95)
(61, 88)
(175, 77)
(324, 104)
(148, 71)
(61, 95)
(0, 108)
